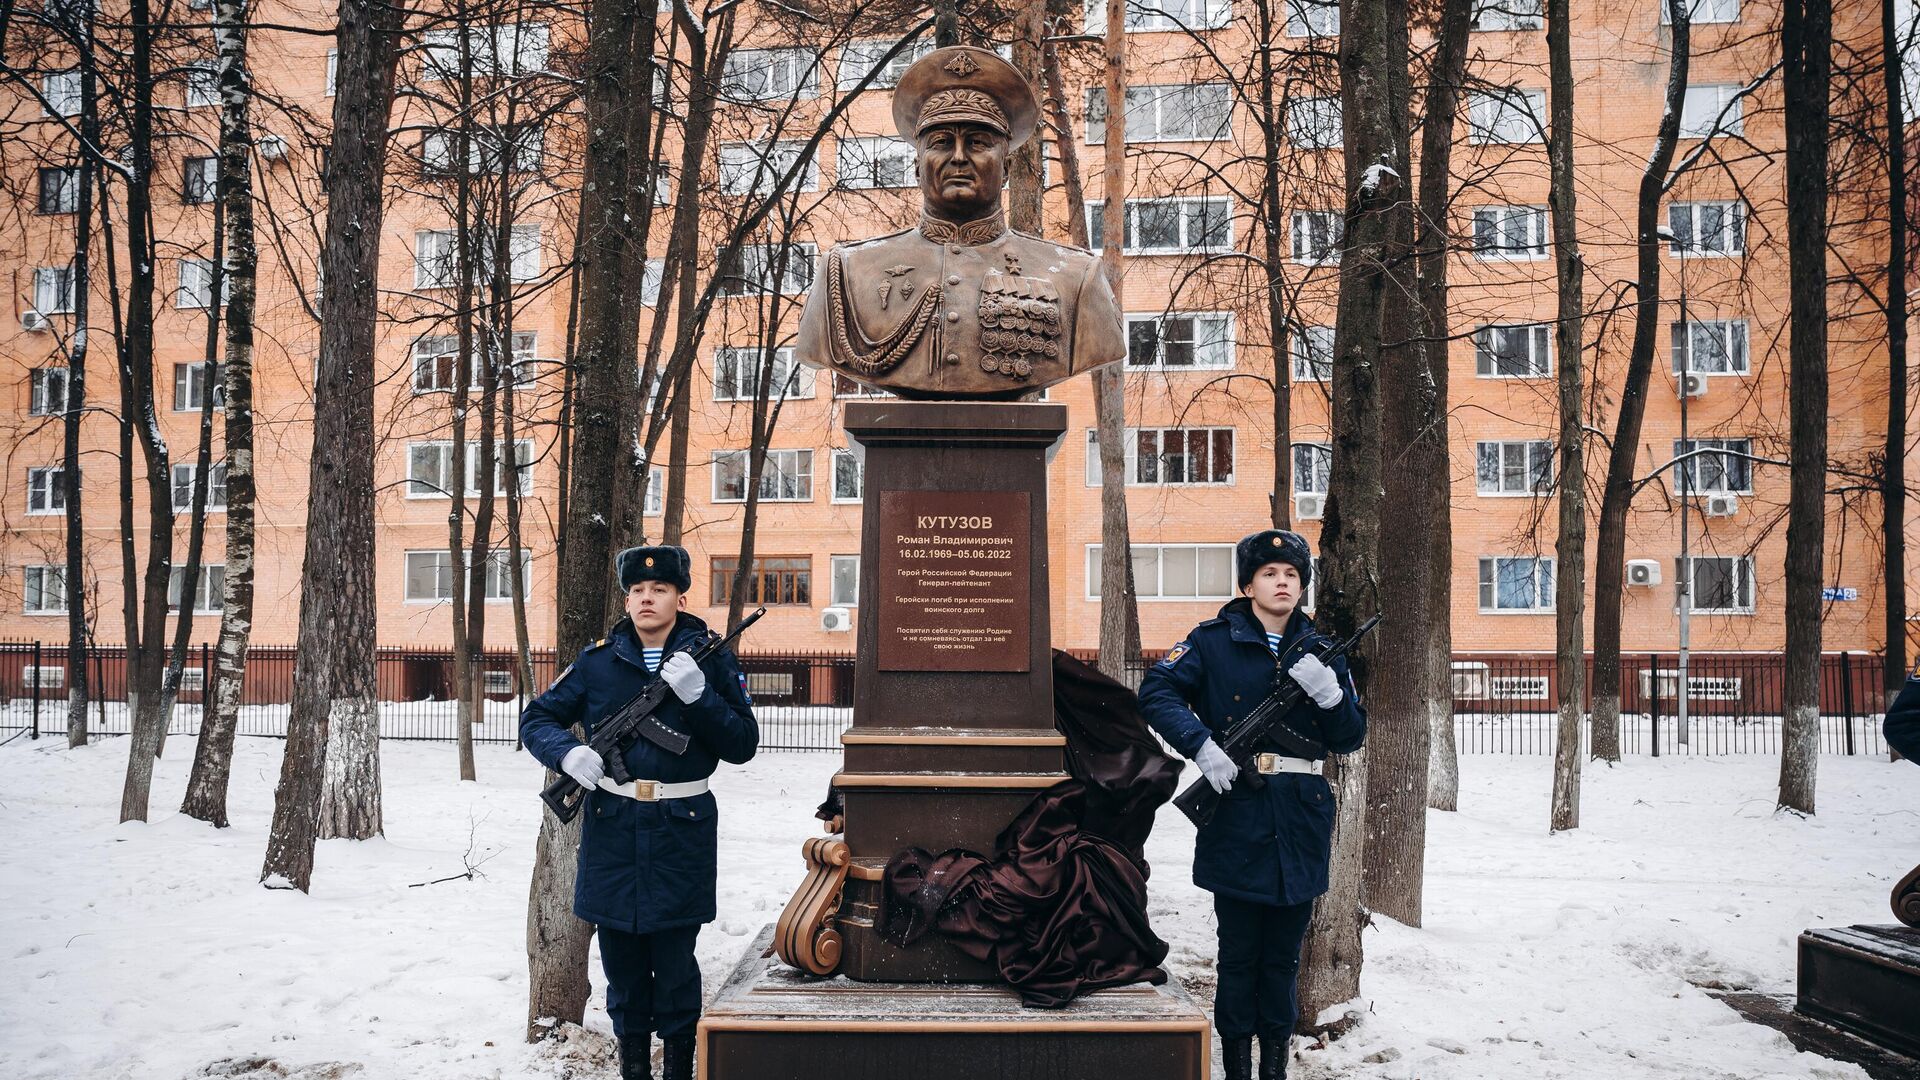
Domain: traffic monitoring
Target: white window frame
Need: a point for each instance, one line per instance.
(37, 583)
(736, 375)
(430, 349)
(1702, 108)
(650, 278)
(1148, 16)
(1733, 239)
(436, 265)
(440, 561)
(66, 195)
(1166, 112)
(1536, 464)
(199, 180)
(1509, 15)
(192, 382)
(843, 456)
(183, 478)
(1134, 464)
(1154, 591)
(53, 288)
(1313, 18)
(1543, 584)
(1314, 123)
(862, 164)
(1734, 455)
(834, 597)
(208, 586)
(847, 389)
(1501, 221)
(1514, 116)
(859, 57)
(777, 75)
(1216, 340)
(755, 259)
(437, 484)
(60, 91)
(1302, 345)
(1716, 11)
(1539, 352)
(500, 49)
(1095, 224)
(1331, 224)
(492, 150)
(1741, 568)
(1731, 333)
(46, 490)
(753, 168)
(203, 84)
(47, 394)
(497, 588)
(779, 464)
(196, 285)
(1319, 473)
(333, 71)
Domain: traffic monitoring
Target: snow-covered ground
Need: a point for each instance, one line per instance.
(149, 950)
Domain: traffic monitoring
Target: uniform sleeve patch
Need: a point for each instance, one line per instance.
(1174, 654)
(743, 687)
(562, 677)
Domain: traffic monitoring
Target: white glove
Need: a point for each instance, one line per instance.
(584, 766)
(684, 677)
(1216, 766)
(1318, 680)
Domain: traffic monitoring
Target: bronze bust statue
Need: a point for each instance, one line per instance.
(960, 307)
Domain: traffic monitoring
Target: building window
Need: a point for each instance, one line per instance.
(49, 391)
(1178, 112)
(1170, 457)
(183, 480)
(1509, 116)
(1523, 351)
(61, 89)
(60, 190)
(655, 503)
(429, 575)
(787, 477)
(46, 590)
(1516, 584)
(199, 180)
(1724, 468)
(192, 383)
(750, 270)
(736, 374)
(1513, 467)
(774, 579)
(1711, 110)
(203, 84)
(493, 150)
(756, 168)
(1180, 342)
(1313, 123)
(208, 585)
(436, 363)
(1312, 468)
(1312, 350)
(1168, 226)
(196, 285)
(53, 289)
(1703, 11)
(499, 583)
(1162, 15)
(1509, 232)
(1707, 228)
(857, 58)
(508, 49)
(770, 75)
(436, 262)
(1508, 14)
(844, 387)
(1710, 347)
(849, 476)
(1313, 18)
(46, 490)
(1720, 585)
(844, 589)
(878, 162)
(430, 469)
(1172, 571)
(333, 71)
(650, 278)
(1317, 236)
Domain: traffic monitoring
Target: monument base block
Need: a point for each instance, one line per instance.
(1866, 980)
(770, 1022)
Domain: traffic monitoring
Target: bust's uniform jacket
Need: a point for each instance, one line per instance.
(1269, 846)
(1049, 305)
(646, 866)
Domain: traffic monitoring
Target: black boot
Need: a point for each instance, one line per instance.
(679, 1057)
(1274, 1048)
(1237, 1050)
(636, 1056)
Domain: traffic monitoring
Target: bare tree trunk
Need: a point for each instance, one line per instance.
(1806, 39)
(1272, 119)
(74, 584)
(1570, 547)
(333, 673)
(1025, 164)
(1893, 466)
(459, 570)
(1117, 606)
(522, 642)
(206, 797)
(1373, 95)
(1610, 546)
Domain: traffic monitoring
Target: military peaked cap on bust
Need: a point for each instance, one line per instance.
(664, 563)
(964, 85)
(1273, 545)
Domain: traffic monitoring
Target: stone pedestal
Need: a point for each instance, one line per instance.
(769, 1022)
(1866, 980)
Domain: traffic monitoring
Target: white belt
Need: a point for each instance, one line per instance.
(654, 790)
(1268, 764)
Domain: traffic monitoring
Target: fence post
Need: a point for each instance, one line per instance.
(1846, 696)
(39, 680)
(1653, 699)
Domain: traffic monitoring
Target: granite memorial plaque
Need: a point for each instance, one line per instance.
(955, 580)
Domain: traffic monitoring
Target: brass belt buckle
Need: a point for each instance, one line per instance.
(1267, 764)
(646, 790)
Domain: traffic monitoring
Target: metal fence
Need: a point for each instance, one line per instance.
(1503, 703)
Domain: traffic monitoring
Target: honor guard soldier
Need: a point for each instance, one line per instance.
(648, 849)
(1902, 723)
(1264, 853)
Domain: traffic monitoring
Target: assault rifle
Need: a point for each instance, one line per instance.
(1269, 721)
(631, 722)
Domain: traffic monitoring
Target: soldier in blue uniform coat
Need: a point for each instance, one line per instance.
(1264, 855)
(648, 851)
(1902, 725)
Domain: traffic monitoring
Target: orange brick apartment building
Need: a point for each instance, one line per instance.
(1200, 424)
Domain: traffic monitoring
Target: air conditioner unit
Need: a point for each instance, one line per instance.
(1309, 507)
(271, 147)
(1693, 384)
(1643, 573)
(1723, 505)
(33, 320)
(836, 620)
